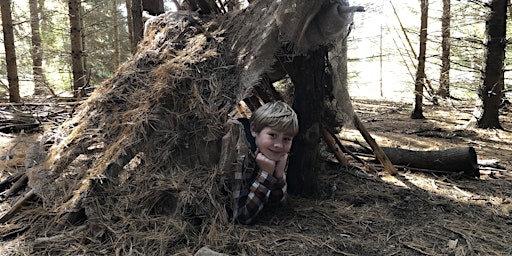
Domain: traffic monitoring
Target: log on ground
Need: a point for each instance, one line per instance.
(459, 159)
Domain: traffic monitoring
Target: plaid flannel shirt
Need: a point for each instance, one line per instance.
(253, 189)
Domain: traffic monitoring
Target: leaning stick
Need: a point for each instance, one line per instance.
(344, 149)
(17, 206)
(12, 178)
(330, 139)
(381, 156)
(17, 186)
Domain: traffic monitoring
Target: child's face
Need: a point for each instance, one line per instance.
(273, 144)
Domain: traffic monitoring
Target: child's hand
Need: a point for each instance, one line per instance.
(264, 163)
(281, 166)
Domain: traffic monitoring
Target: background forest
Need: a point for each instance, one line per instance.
(384, 41)
(383, 31)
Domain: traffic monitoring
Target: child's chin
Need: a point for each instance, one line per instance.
(275, 157)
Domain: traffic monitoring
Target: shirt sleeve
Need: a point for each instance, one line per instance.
(251, 192)
(279, 193)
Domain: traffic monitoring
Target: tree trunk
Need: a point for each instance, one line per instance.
(117, 41)
(309, 78)
(491, 90)
(129, 18)
(10, 52)
(444, 78)
(154, 7)
(177, 4)
(202, 6)
(420, 73)
(40, 82)
(137, 23)
(84, 48)
(76, 46)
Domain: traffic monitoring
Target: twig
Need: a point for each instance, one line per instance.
(12, 104)
(492, 169)
(357, 142)
(416, 249)
(9, 151)
(468, 239)
(14, 233)
(61, 236)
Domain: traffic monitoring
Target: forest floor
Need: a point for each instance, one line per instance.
(413, 213)
(360, 212)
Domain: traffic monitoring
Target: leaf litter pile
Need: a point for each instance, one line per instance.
(135, 171)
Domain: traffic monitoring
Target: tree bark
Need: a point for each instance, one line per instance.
(76, 47)
(444, 77)
(420, 73)
(460, 159)
(117, 41)
(309, 78)
(137, 23)
(10, 52)
(40, 82)
(486, 114)
(153, 7)
(129, 18)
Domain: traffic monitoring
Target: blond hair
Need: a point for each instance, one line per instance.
(277, 115)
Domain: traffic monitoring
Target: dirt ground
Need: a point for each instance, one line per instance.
(360, 212)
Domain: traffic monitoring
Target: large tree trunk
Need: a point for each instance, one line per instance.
(76, 46)
(309, 77)
(444, 78)
(420, 73)
(491, 90)
(10, 51)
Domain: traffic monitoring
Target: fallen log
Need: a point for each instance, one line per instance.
(460, 159)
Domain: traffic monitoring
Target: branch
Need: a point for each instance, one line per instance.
(381, 156)
(60, 237)
(17, 206)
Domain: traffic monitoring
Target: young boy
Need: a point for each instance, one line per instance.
(260, 175)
